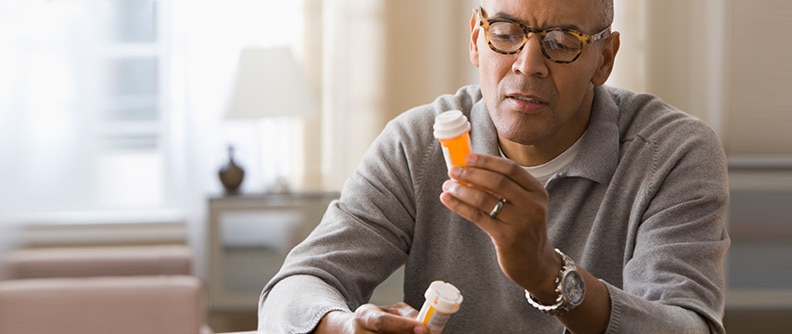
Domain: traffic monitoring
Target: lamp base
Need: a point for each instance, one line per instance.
(231, 175)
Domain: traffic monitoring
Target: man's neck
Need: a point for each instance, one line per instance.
(538, 154)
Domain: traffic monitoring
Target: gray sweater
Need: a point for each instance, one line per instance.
(642, 207)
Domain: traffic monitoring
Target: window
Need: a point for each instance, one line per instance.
(93, 103)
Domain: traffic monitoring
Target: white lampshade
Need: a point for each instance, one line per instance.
(270, 84)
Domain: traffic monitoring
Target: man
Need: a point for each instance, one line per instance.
(585, 208)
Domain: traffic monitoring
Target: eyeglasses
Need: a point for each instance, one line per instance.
(560, 45)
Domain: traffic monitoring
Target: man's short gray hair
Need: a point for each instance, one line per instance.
(605, 10)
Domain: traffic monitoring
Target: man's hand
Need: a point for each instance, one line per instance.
(519, 232)
(369, 318)
(518, 229)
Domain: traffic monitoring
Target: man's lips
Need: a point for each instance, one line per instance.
(527, 103)
(527, 99)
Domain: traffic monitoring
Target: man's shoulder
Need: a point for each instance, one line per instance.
(648, 115)
(644, 117)
(639, 104)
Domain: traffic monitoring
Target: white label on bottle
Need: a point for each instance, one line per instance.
(438, 322)
(447, 157)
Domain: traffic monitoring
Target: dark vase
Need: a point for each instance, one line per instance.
(231, 175)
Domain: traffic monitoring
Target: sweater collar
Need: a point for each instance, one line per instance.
(599, 147)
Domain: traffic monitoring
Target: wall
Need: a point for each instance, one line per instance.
(674, 49)
(426, 51)
(757, 95)
(722, 61)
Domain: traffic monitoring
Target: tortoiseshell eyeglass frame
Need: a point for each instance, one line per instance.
(584, 39)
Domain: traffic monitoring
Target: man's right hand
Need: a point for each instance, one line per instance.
(369, 318)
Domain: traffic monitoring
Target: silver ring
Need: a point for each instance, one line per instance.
(498, 206)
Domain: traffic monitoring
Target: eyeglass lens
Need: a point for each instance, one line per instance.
(557, 44)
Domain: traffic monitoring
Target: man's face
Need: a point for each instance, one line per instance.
(531, 99)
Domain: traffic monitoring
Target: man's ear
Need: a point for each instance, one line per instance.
(474, 34)
(609, 51)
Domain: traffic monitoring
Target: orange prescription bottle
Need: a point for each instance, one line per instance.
(442, 300)
(452, 129)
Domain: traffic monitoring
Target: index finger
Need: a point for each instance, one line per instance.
(506, 167)
(402, 309)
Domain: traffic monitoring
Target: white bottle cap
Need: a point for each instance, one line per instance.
(444, 297)
(450, 124)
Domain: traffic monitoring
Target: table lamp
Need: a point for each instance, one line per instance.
(270, 84)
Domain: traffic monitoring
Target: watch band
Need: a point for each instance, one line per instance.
(562, 304)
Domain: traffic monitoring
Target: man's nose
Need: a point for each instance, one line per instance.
(530, 60)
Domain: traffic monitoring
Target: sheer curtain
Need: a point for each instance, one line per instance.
(117, 106)
(74, 137)
(206, 39)
(380, 58)
(51, 145)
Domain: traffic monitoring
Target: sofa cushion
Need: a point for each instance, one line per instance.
(98, 261)
(133, 304)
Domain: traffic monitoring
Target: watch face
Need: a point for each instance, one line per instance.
(574, 290)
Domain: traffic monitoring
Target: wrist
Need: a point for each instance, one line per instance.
(570, 289)
(545, 289)
(333, 322)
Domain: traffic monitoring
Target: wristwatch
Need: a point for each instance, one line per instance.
(569, 286)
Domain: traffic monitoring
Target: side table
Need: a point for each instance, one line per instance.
(249, 237)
